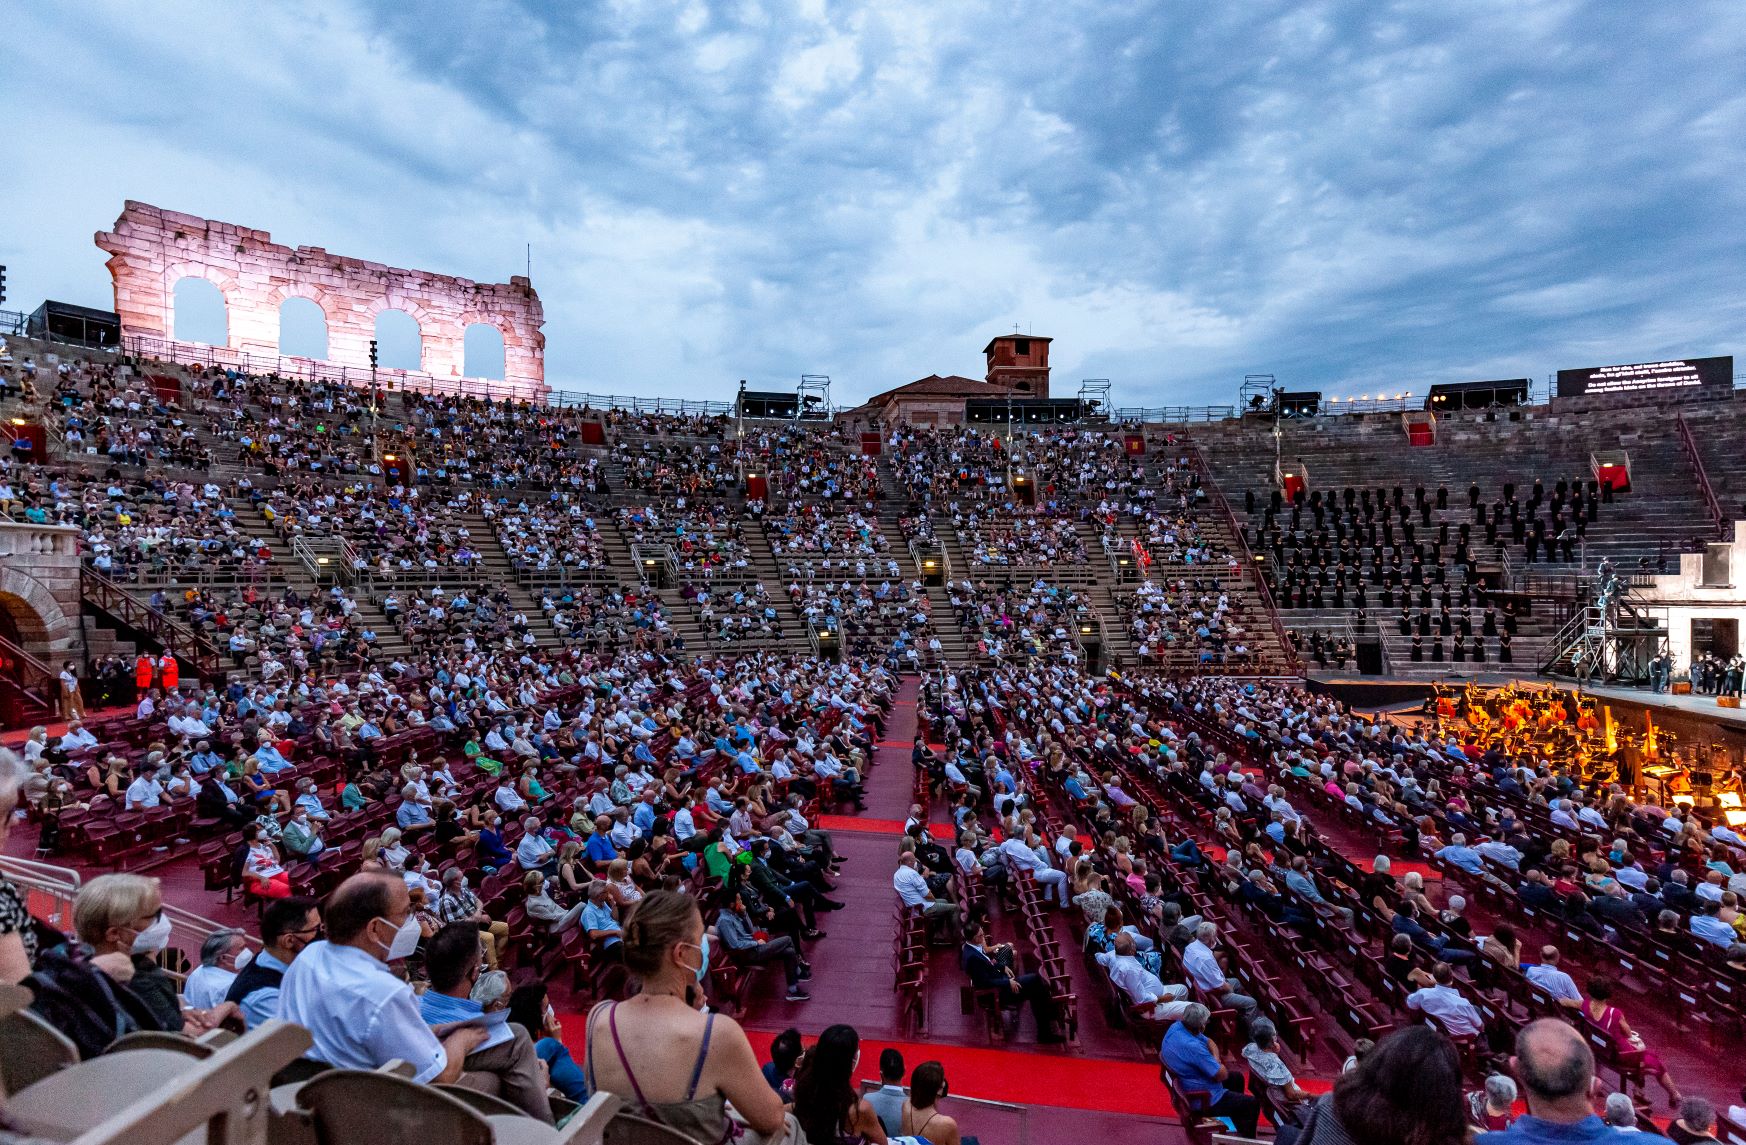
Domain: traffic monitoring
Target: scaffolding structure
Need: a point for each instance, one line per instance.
(814, 393)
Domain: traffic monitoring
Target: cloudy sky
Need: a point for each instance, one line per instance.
(1354, 197)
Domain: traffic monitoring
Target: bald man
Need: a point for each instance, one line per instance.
(1556, 1068)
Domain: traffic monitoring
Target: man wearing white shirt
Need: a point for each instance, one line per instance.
(208, 983)
(1020, 857)
(145, 790)
(535, 851)
(684, 826)
(1141, 986)
(77, 738)
(359, 1014)
(1445, 1003)
(1203, 969)
(507, 798)
(912, 888)
(955, 775)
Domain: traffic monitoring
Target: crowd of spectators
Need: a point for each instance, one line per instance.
(617, 803)
(551, 537)
(1186, 614)
(603, 618)
(676, 468)
(1038, 619)
(131, 529)
(705, 538)
(395, 530)
(809, 460)
(735, 613)
(479, 441)
(808, 531)
(1019, 539)
(892, 618)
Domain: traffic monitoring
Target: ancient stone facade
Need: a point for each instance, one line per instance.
(152, 249)
(39, 587)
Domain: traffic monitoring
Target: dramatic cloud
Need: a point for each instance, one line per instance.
(1353, 196)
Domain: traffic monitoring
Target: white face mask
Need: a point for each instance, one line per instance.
(405, 940)
(153, 938)
(243, 959)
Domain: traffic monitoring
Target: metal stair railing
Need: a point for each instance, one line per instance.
(1250, 572)
(186, 645)
(1571, 638)
(1712, 505)
(34, 679)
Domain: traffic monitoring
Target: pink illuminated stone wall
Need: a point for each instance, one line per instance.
(150, 250)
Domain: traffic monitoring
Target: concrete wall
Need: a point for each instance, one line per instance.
(1682, 597)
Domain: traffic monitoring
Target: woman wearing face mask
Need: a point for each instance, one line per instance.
(121, 919)
(668, 1061)
(262, 869)
(529, 1008)
(393, 853)
(490, 850)
(825, 1101)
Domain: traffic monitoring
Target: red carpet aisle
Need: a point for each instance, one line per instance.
(1128, 1088)
(851, 968)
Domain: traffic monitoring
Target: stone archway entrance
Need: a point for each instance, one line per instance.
(27, 693)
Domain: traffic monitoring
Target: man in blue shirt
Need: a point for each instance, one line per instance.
(1459, 854)
(204, 758)
(599, 848)
(1556, 1068)
(1193, 1060)
(413, 815)
(643, 813)
(452, 964)
(600, 923)
(269, 758)
(287, 926)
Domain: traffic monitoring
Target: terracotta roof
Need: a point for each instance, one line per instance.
(935, 386)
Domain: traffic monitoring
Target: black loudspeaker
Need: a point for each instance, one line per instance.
(1370, 657)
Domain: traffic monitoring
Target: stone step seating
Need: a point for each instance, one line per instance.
(1718, 428)
(1658, 515)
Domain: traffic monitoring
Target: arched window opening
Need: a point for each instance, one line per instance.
(302, 329)
(483, 345)
(399, 344)
(200, 314)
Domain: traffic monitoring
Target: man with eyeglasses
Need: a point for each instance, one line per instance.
(287, 926)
